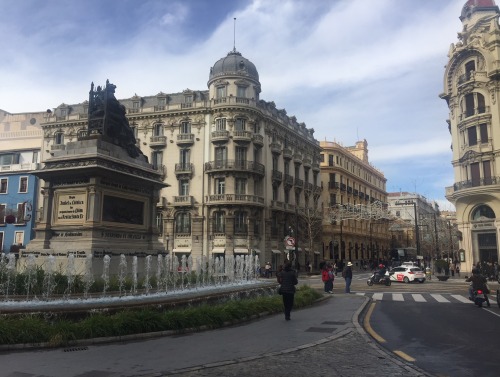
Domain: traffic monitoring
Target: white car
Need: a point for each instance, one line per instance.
(407, 274)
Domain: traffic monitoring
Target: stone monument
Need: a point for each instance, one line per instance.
(99, 193)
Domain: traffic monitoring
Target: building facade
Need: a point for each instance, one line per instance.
(472, 93)
(242, 173)
(350, 180)
(20, 141)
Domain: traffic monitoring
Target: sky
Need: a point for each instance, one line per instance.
(349, 69)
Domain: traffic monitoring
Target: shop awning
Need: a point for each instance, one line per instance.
(218, 250)
(241, 251)
(256, 251)
(276, 251)
(181, 250)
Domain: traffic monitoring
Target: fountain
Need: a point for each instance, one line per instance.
(177, 280)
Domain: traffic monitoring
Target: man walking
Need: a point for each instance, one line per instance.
(347, 274)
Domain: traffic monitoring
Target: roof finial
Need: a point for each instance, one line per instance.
(234, 35)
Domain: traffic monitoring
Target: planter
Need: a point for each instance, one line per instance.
(443, 278)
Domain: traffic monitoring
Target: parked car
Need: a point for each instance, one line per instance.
(407, 274)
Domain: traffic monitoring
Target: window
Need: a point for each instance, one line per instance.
(472, 135)
(157, 160)
(220, 124)
(241, 91)
(2, 214)
(219, 222)
(275, 162)
(158, 129)
(483, 131)
(9, 158)
(183, 223)
(59, 138)
(240, 222)
(483, 211)
(184, 187)
(3, 185)
(240, 124)
(185, 128)
(23, 184)
(220, 186)
(20, 213)
(135, 105)
(220, 157)
(241, 156)
(330, 160)
(275, 193)
(159, 222)
(133, 127)
(471, 100)
(184, 158)
(487, 172)
(19, 238)
(36, 157)
(188, 99)
(287, 167)
(240, 186)
(221, 92)
(287, 196)
(162, 102)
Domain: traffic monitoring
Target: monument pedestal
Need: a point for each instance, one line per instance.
(96, 200)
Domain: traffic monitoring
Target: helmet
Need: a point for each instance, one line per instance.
(380, 265)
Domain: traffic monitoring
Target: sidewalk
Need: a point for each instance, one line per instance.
(325, 340)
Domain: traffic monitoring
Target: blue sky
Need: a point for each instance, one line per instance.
(350, 69)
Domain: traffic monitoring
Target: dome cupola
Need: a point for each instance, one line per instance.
(234, 64)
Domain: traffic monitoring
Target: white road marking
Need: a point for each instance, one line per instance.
(418, 297)
(462, 299)
(378, 296)
(397, 297)
(439, 298)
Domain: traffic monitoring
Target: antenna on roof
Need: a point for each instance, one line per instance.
(234, 35)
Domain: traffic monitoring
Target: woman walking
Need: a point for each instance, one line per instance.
(288, 280)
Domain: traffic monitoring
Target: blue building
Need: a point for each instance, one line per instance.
(18, 196)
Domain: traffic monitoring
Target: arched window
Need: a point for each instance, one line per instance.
(183, 223)
(483, 211)
(59, 138)
(473, 101)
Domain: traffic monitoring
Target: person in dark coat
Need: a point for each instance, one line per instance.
(348, 277)
(288, 281)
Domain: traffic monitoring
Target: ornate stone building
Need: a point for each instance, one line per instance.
(472, 92)
(241, 171)
(349, 179)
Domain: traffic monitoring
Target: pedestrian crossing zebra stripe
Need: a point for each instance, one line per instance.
(445, 298)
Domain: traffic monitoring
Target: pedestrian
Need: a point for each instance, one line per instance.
(288, 280)
(457, 269)
(267, 269)
(327, 276)
(347, 274)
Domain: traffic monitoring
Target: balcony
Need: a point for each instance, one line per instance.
(157, 141)
(242, 136)
(258, 140)
(133, 111)
(275, 148)
(231, 100)
(297, 158)
(287, 153)
(183, 200)
(307, 162)
(288, 180)
(185, 139)
(57, 147)
(184, 168)
(277, 176)
(221, 136)
(277, 204)
(476, 183)
(235, 165)
(299, 183)
(333, 185)
(235, 199)
(343, 187)
(349, 189)
(355, 192)
(315, 166)
(159, 108)
(186, 105)
(309, 187)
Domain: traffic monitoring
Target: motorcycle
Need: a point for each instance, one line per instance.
(385, 280)
(478, 297)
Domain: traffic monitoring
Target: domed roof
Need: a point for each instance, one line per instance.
(234, 64)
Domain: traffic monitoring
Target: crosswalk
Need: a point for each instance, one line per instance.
(441, 298)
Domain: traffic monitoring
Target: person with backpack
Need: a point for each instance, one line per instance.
(328, 276)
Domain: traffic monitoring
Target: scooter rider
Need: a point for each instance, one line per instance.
(478, 282)
(380, 273)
